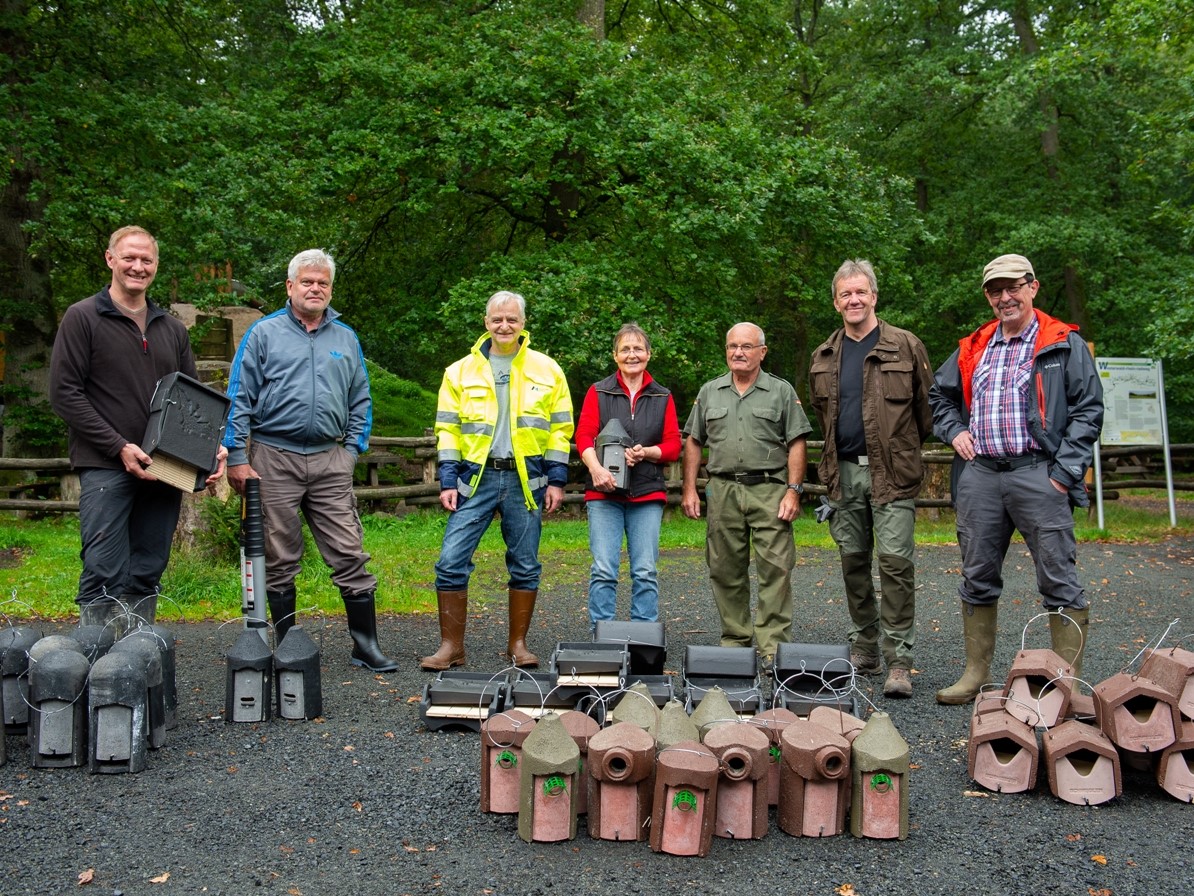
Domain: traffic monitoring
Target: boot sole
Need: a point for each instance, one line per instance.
(441, 666)
(955, 700)
(392, 667)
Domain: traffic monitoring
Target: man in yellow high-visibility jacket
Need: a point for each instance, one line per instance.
(503, 427)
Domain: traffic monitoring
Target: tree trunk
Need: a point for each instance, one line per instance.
(592, 13)
(27, 303)
(1072, 284)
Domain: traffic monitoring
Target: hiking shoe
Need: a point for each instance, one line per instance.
(866, 664)
(898, 684)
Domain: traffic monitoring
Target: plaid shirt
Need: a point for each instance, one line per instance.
(999, 414)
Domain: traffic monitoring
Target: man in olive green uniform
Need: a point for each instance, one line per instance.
(754, 428)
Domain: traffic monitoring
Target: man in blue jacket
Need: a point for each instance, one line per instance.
(1022, 405)
(301, 414)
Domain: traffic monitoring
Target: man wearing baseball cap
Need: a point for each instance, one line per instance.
(1022, 406)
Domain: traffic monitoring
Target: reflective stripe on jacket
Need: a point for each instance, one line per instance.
(540, 420)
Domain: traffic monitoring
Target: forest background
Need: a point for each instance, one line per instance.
(682, 163)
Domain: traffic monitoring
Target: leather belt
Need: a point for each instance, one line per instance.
(750, 478)
(500, 463)
(1006, 464)
(861, 459)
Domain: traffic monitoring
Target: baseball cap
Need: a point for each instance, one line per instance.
(1010, 267)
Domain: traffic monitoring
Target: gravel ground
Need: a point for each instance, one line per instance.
(366, 801)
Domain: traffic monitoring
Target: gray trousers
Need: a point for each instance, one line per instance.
(321, 486)
(127, 526)
(990, 506)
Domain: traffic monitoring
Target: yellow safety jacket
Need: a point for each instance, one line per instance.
(540, 420)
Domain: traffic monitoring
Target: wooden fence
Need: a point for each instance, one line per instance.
(50, 487)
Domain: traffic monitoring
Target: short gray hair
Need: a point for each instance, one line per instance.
(853, 267)
(632, 329)
(505, 297)
(311, 258)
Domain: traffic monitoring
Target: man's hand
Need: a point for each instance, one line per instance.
(554, 499)
(690, 502)
(1057, 485)
(789, 507)
(964, 445)
(237, 476)
(221, 457)
(447, 498)
(136, 461)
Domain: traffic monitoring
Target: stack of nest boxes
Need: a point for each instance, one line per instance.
(678, 784)
(581, 676)
(88, 698)
(586, 676)
(260, 682)
(680, 774)
(1143, 719)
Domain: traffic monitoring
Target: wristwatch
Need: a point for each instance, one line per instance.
(797, 487)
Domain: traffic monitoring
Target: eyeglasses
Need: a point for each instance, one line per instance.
(741, 347)
(623, 352)
(996, 293)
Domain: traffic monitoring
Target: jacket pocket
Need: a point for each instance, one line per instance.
(895, 381)
(474, 403)
(716, 424)
(821, 385)
(536, 398)
(907, 468)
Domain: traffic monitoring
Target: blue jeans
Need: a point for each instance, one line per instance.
(639, 522)
(126, 527)
(500, 491)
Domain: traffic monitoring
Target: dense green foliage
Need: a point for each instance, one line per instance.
(685, 163)
(400, 407)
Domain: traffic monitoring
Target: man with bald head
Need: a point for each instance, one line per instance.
(754, 429)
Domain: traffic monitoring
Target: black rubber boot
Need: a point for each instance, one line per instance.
(362, 625)
(106, 612)
(281, 612)
(143, 611)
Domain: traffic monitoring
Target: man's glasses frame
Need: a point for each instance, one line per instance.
(995, 294)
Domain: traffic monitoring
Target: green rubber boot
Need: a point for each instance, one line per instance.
(1068, 628)
(979, 623)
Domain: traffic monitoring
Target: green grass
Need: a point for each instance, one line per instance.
(199, 585)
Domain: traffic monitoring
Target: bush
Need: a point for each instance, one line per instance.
(219, 537)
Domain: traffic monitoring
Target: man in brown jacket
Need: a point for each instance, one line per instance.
(869, 383)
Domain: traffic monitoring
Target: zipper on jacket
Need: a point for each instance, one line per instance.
(1040, 401)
